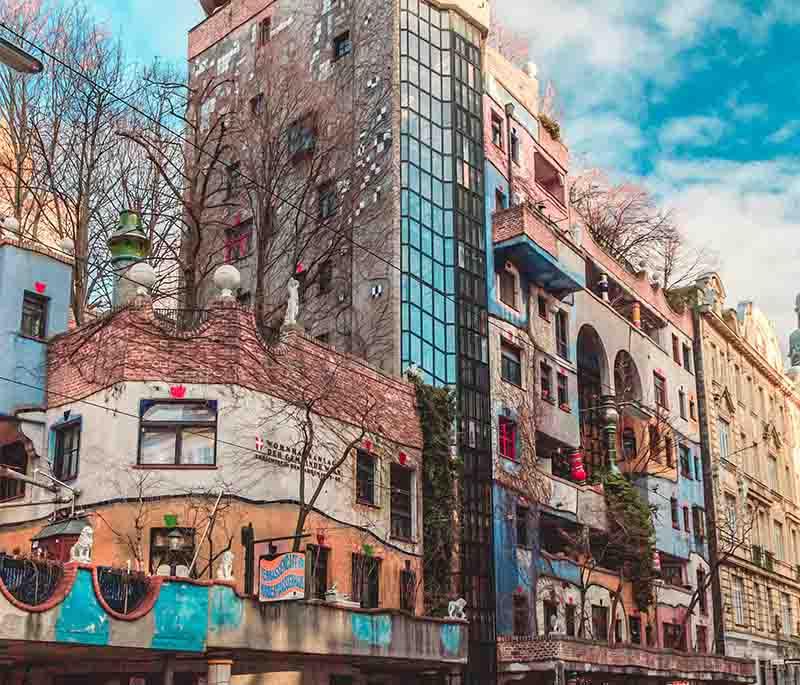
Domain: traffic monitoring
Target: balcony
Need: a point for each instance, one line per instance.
(538, 248)
(103, 614)
(516, 655)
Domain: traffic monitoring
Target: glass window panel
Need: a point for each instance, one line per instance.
(451, 338)
(438, 249)
(404, 230)
(413, 205)
(413, 261)
(439, 336)
(427, 327)
(179, 412)
(412, 177)
(427, 213)
(416, 320)
(414, 290)
(438, 276)
(425, 158)
(424, 49)
(427, 241)
(157, 446)
(415, 350)
(404, 202)
(413, 149)
(414, 233)
(438, 306)
(427, 298)
(197, 446)
(440, 364)
(427, 355)
(427, 270)
(405, 320)
(451, 368)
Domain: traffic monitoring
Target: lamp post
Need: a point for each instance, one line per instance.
(18, 59)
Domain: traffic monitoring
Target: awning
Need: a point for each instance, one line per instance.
(67, 527)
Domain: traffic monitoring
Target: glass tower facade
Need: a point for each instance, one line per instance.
(444, 295)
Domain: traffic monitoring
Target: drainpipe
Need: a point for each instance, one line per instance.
(708, 484)
(509, 119)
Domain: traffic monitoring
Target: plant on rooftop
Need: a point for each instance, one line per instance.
(551, 126)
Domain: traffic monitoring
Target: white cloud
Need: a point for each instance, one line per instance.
(694, 131)
(789, 130)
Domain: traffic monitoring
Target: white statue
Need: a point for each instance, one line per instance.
(413, 372)
(82, 550)
(557, 624)
(225, 570)
(293, 305)
(456, 609)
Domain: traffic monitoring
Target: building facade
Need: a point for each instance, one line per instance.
(178, 480)
(748, 409)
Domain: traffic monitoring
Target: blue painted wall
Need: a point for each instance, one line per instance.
(24, 359)
(81, 619)
(689, 492)
(181, 618)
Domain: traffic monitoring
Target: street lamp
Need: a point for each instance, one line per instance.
(18, 59)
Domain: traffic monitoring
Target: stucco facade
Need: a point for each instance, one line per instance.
(751, 407)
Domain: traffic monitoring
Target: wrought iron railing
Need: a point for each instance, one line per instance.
(30, 581)
(179, 320)
(122, 590)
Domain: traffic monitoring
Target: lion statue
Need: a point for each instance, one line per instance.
(456, 609)
(82, 550)
(225, 568)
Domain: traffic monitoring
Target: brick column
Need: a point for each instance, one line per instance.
(219, 671)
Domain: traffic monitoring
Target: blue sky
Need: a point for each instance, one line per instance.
(697, 99)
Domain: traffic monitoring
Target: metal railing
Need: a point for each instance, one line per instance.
(179, 320)
(30, 581)
(122, 590)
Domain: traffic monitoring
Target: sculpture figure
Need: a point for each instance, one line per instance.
(225, 570)
(82, 550)
(293, 304)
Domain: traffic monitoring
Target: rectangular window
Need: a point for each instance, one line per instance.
(34, 315)
(599, 622)
(673, 636)
(562, 385)
(301, 136)
(408, 590)
(686, 461)
(365, 477)
(264, 31)
(635, 624)
(507, 438)
(500, 200)
(569, 619)
(171, 551)
(698, 469)
(699, 521)
(692, 413)
(778, 532)
(14, 456)
(342, 46)
(542, 302)
(68, 446)
(687, 358)
(654, 442)
(686, 519)
(325, 277)
(682, 403)
(723, 433)
(673, 508)
(520, 616)
(772, 472)
(366, 581)
(786, 613)
(522, 526)
(676, 349)
(317, 571)
(660, 388)
(671, 571)
(702, 639)
(510, 365)
(669, 450)
(497, 131)
(514, 144)
(546, 381)
(326, 197)
(508, 288)
(702, 591)
(178, 433)
(562, 350)
(234, 178)
(237, 242)
(402, 487)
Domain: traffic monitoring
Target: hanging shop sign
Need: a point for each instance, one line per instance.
(282, 577)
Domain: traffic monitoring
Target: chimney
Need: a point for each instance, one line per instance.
(128, 245)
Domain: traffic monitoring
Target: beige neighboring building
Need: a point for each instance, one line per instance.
(749, 414)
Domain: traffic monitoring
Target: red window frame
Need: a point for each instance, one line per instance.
(507, 438)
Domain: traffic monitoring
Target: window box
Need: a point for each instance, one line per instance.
(178, 433)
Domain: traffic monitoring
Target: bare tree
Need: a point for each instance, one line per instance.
(628, 224)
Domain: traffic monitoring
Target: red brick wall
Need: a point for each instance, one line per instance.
(131, 345)
(220, 24)
(520, 220)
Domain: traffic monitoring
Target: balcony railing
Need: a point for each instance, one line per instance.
(178, 320)
(30, 581)
(123, 591)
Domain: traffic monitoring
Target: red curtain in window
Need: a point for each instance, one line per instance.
(508, 439)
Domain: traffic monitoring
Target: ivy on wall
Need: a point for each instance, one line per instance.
(440, 475)
(632, 526)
